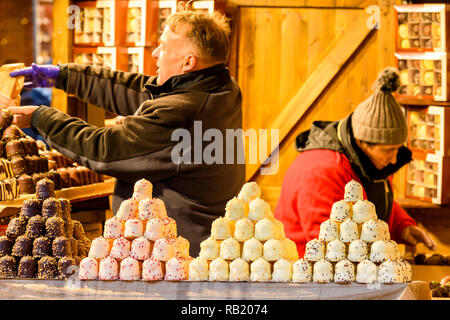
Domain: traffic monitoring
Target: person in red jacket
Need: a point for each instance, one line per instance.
(366, 146)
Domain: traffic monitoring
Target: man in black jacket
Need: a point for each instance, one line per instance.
(192, 87)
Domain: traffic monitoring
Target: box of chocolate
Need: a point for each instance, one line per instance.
(142, 17)
(96, 56)
(429, 129)
(100, 23)
(423, 75)
(136, 59)
(427, 178)
(422, 27)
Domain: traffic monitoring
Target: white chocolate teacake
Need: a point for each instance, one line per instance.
(315, 250)
(221, 229)
(120, 248)
(239, 270)
(236, 209)
(348, 231)
(244, 229)
(390, 272)
(88, 269)
(108, 269)
(113, 228)
(259, 209)
(322, 271)
(252, 250)
(128, 210)
(140, 249)
(152, 270)
(301, 271)
(177, 269)
(273, 250)
(344, 272)
(265, 229)
(209, 249)
(198, 269)
(164, 249)
(143, 189)
(366, 272)
(372, 231)
(340, 211)
(260, 270)
(364, 210)
(353, 192)
(151, 208)
(282, 271)
(329, 231)
(249, 192)
(99, 248)
(358, 251)
(335, 251)
(381, 251)
(134, 228)
(218, 270)
(230, 249)
(158, 228)
(181, 247)
(129, 269)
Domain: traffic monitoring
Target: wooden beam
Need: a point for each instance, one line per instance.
(339, 52)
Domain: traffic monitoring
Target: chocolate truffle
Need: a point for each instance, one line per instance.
(54, 227)
(66, 209)
(42, 247)
(66, 267)
(16, 227)
(27, 267)
(30, 208)
(45, 188)
(22, 247)
(35, 227)
(51, 207)
(6, 118)
(5, 246)
(8, 267)
(65, 178)
(26, 184)
(68, 226)
(12, 132)
(61, 247)
(14, 148)
(47, 268)
(74, 246)
(78, 231)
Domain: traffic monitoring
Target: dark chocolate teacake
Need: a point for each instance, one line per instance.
(23, 246)
(45, 188)
(30, 208)
(6, 118)
(35, 227)
(54, 227)
(42, 247)
(51, 207)
(8, 267)
(26, 184)
(16, 227)
(27, 267)
(6, 245)
(47, 268)
(66, 267)
(61, 247)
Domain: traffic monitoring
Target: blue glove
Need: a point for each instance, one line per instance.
(38, 75)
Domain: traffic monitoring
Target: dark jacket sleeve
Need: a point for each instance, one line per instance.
(116, 91)
(140, 147)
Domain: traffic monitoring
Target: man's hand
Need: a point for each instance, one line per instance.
(413, 234)
(22, 115)
(38, 75)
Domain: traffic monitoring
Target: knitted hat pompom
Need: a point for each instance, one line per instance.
(388, 80)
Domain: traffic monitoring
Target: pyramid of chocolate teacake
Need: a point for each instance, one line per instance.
(21, 164)
(43, 241)
(353, 245)
(139, 243)
(246, 244)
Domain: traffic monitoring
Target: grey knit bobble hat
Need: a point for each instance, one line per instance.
(379, 119)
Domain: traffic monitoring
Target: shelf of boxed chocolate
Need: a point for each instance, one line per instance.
(24, 161)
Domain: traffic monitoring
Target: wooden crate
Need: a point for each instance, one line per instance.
(142, 23)
(423, 76)
(429, 129)
(136, 59)
(96, 56)
(422, 27)
(428, 178)
(101, 23)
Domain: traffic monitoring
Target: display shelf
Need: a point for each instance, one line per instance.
(187, 290)
(74, 194)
